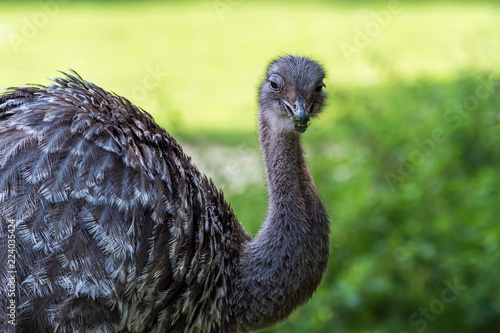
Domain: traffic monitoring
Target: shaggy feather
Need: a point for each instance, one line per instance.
(94, 187)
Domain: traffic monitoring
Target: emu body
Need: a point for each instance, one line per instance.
(116, 231)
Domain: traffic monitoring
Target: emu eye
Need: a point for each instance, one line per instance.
(276, 83)
(318, 88)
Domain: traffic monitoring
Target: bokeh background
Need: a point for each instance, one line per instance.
(406, 155)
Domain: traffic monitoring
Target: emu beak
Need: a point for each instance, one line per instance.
(301, 119)
(299, 113)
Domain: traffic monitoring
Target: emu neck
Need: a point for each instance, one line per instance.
(288, 178)
(283, 265)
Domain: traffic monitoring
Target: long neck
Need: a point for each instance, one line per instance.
(282, 267)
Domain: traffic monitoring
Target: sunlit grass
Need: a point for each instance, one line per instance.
(209, 61)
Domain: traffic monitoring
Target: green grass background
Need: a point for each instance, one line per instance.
(405, 155)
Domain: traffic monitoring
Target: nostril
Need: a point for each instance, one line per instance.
(295, 106)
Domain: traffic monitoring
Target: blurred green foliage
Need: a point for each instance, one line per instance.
(404, 156)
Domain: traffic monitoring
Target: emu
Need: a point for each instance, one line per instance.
(106, 225)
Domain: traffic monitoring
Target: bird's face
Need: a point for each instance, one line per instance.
(292, 93)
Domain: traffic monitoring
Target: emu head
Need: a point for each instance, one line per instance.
(292, 93)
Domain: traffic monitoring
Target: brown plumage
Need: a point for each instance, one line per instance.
(116, 231)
